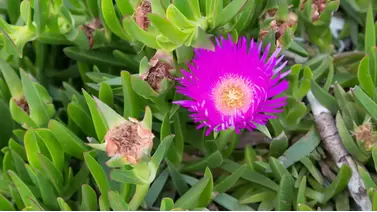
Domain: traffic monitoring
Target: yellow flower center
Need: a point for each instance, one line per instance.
(232, 94)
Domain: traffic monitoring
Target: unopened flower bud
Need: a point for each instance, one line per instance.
(366, 135)
(141, 14)
(161, 65)
(129, 140)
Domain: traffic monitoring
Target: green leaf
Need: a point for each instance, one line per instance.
(116, 202)
(206, 195)
(98, 120)
(340, 182)
(301, 191)
(177, 18)
(312, 169)
(98, 174)
(53, 147)
(195, 8)
(77, 181)
(365, 176)
(324, 97)
(70, 143)
(94, 56)
(111, 19)
(230, 11)
(161, 151)
(93, 7)
(5, 205)
(168, 29)
(32, 149)
(177, 179)
(112, 118)
(190, 198)
(27, 196)
(39, 101)
(125, 7)
(167, 204)
(131, 100)
(20, 167)
(6, 124)
(250, 175)
(348, 141)
(230, 180)
(156, 188)
(367, 103)
(365, 78)
(63, 205)
(139, 34)
(51, 172)
(303, 207)
(301, 148)
(348, 112)
(212, 161)
(82, 119)
(285, 194)
(47, 192)
(41, 13)
(370, 32)
(103, 204)
(278, 169)
(278, 145)
(12, 79)
(106, 94)
(258, 197)
(127, 176)
(89, 198)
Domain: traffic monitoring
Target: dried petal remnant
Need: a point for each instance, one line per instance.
(141, 15)
(129, 140)
(89, 30)
(278, 26)
(318, 7)
(23, 104)
(365, 134)
(161, 65)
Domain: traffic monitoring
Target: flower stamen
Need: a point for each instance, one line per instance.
(232, 94)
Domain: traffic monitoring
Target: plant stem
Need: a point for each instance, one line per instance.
(333, 145)
(138, 198)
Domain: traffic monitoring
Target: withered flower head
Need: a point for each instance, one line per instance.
(89, 29)
(318, 7)
(279, 27)
(23, 104)
(141, 15)
(365, 134)
(160, 66)
(129, 140)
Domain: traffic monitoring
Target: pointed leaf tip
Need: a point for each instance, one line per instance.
(112, 118)
(147, 121)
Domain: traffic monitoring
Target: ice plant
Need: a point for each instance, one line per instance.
(126, 141)
(234, 86)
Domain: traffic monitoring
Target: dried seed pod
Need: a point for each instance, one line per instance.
(366, 135)
(89, 29)
(141, 14)
(130, 141)
(160, 66)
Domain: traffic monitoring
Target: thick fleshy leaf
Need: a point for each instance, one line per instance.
(98, 174)
(27, 196)
(89, 198)
(70, 143)
(117, 203)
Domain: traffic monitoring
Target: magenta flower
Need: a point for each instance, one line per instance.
(233, 86)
